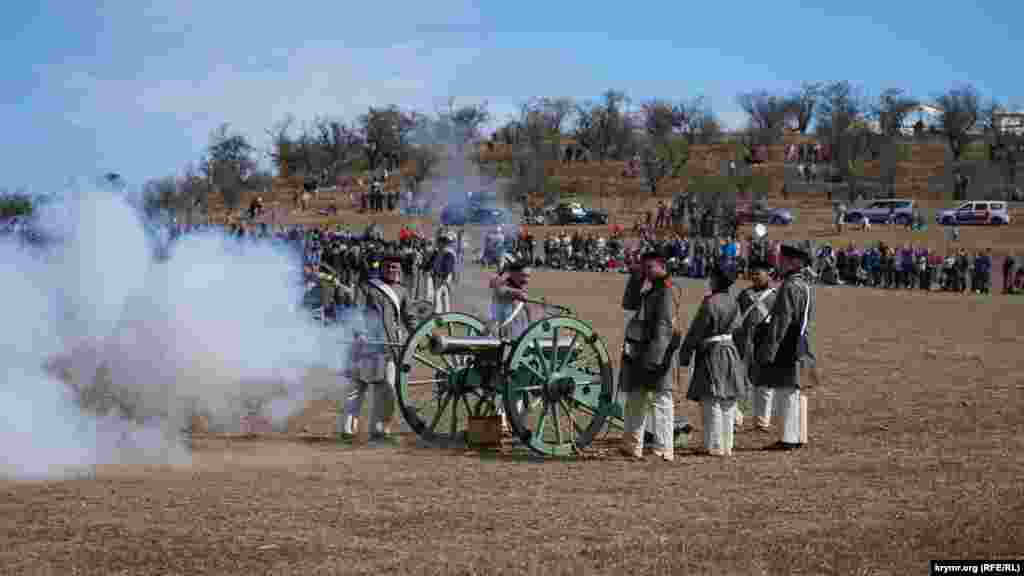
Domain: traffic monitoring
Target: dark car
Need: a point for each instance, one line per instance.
(575, 213)
(462, 214)
(751, 214)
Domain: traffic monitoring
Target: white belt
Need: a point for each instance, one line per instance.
(720, 339)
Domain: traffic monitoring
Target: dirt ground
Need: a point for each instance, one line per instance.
(915, 453)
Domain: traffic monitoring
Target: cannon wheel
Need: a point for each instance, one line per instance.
(558, 397)
(436, 394)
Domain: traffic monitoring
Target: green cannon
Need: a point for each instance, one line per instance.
(555, 382)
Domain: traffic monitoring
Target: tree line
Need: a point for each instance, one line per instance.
(609, 127)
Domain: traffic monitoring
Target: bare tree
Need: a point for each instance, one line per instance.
(698, 121)
(668, 151)
(661, 120)
(461, 124)
(961, 108)
(228, 162)
(424, 160)
(839, 107)
(161, 195)
(767, 114)
(603, 127)
(282, 146)
(548, 114)
(385, 132)
(891, 111)
(801, 104)
(338, 147)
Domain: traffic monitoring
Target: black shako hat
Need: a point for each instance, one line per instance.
(517, 265)
(759, 265)
(391, 258)
(793, 251)
(653, 255)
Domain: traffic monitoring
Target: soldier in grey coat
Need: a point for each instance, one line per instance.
(783, 344)
(383, 301)
(755, 304)
(649, 350)
(719, 377)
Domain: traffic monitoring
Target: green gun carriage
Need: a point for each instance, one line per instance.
(555, 382)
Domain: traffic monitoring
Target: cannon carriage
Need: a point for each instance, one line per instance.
(554, 383)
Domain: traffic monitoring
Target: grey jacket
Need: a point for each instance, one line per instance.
(383, 321)
(718, 369)
(755, 307)
(782, 349)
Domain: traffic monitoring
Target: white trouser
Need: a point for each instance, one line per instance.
(719, 424)
(763, 399)
(442, 298)
(787, 407)
(430, 286)
(649, 421)
(382, 402)
(641, 407)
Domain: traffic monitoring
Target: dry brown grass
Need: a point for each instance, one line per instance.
(914, 454)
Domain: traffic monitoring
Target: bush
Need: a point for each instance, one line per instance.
(15, 205)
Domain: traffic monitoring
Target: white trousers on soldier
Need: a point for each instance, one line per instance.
(641, 405)
(719, 424)
(442, 298)
(649, 421)
(430, 286)
(382, 401)
(787, 407)
(763, 399)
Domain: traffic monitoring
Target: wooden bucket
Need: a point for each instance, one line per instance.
(484, 431)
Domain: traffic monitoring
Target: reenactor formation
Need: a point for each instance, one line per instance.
(752, 345)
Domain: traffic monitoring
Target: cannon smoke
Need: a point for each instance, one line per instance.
(107, 352)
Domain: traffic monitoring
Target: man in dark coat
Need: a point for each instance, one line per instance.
(649, 343)
(719, 378)
(444, 272)
(755, 304)
(783, 346)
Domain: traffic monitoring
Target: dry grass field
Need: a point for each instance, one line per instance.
(914, 454)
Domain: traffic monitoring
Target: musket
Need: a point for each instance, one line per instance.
(373, 343)
(542, 302)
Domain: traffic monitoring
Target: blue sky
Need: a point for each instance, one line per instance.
(136, 87)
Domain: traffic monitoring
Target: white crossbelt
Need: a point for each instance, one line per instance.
(720, 339)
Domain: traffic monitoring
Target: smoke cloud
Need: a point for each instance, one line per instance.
(107, 352)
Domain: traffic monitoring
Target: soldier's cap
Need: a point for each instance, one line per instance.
(653, 255)
(759, 265)
(725, 274)
(391, 259)
(793, 251)
(516, 266)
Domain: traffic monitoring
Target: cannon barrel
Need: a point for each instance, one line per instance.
(464, 345)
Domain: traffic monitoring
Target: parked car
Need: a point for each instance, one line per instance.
(991, 212)
(752, 214)
(575, 213)
(880, 211)
(462, 214)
